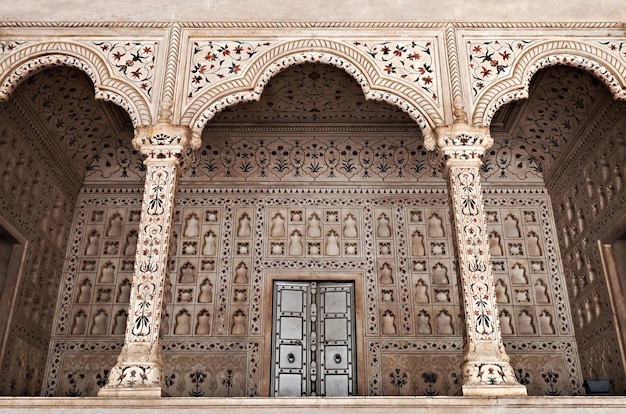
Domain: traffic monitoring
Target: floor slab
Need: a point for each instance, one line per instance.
(361, 405)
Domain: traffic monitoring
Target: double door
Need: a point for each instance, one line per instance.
(313, 350)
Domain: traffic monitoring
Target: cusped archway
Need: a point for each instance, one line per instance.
(375, 86)
(26, 60)
(605, 66)
(313, 124)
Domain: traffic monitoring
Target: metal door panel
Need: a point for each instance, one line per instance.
(290, 357)
(336, 357)
(289, 385)
(335, 301)
(337, 385)
(336, 329)
(337, 342)
(313, 339)
(292, 300)
(291, 327)
(290, 343)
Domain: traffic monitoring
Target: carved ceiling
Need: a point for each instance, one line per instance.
(531, 135)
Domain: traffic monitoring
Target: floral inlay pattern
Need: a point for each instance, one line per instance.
(412, 62)
(511, 157)
(134, 60)
(617, 48)
(315, 159)
(117, 159)
(491, 60)
(212, 62)
(479, 299)
(153, 239)
(6, 48)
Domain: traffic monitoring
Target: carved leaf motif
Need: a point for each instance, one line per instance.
(141, 326)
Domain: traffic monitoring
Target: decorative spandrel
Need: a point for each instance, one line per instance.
(492, 60)
(133, 61)
(9, 47)
(413, 62)
(214, 62)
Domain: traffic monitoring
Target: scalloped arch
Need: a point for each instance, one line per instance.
(18, 66)
(569, 53)
(250, 86)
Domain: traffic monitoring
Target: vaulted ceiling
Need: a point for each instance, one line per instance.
(531, 135)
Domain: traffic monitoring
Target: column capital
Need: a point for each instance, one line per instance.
(166, 143)
(463, 142)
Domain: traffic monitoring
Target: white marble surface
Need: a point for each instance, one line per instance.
(319, 10)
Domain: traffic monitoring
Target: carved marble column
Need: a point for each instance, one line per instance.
(139, 368)
(486, 368)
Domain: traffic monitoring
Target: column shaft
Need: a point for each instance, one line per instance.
(139, 367)
(486, 368)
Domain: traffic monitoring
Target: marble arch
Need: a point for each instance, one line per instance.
(18, 66)
(581, 55)
(492, 255)
(375, 87)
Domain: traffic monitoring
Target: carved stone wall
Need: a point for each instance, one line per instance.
(226, 244)
(36, 197)
(588, 197)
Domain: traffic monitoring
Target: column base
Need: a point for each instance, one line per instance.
(135, 392)
(485, 390)
(138, 373)
(491, 377)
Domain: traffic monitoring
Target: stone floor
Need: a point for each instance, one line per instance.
(361, 405)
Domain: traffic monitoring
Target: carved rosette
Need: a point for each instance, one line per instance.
(486, 368)
(139, 368)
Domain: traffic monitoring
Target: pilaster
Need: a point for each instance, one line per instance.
(139, 369)
(486, 368)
